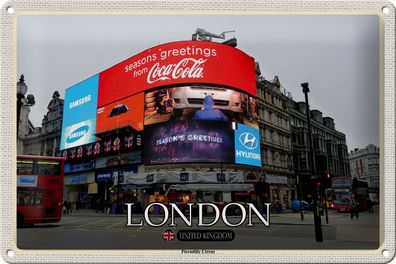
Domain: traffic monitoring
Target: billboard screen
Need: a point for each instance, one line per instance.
(200, 102)
(79, 166)
(79, 114)
(108, 146)
(124, 112)
(178, 63)
(189, 141)
(192, 91)
(247, 145)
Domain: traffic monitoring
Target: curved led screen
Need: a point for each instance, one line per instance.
(192, 101)
(178, 63)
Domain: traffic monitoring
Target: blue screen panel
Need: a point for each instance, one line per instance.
(247, 145)
(79, 113)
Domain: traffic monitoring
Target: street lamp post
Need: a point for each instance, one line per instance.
(312, 168)
(21, 91)
(325, 197)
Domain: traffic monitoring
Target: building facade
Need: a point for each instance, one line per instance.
(44, 140)
(278, 180)
(364, 164)
(330, 149)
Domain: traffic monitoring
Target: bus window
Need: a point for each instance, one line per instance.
(46, 167)
(24, 167)
(37, 167)
(29, 196)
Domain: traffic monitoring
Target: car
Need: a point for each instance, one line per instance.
(340, 206)
(296, 206)
(193, 97)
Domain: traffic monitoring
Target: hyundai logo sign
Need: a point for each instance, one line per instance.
(77, 134)
(247, 145)
(248, 140)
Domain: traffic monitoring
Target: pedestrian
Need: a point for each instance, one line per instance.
(138, 207)
(354, 207)
(69, 207)
(263, 209)
(103, 206)
(98, 205)
(278, 206)
(65, 207)
(370, 206)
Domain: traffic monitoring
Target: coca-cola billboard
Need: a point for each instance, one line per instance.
(178, 63)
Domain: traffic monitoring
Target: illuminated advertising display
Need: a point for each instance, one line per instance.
(191, 91)
(80, 166)
(200, 102)
(125, 112)
(247, 145)
(105, 175)
(115, 144)
(189, 141)
(178, 63)
(79, 114)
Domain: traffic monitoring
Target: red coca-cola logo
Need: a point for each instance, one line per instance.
(186, 68)
(178, 63)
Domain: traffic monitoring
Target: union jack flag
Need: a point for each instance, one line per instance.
(168, 235)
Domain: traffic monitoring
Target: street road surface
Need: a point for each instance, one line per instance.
(89, 230)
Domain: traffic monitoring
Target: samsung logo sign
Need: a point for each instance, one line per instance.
(77, 134)
(248, 140)
(80, 101)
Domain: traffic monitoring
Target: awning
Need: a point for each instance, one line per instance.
(212, 187)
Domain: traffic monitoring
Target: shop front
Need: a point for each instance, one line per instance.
(110, 173)
(279, 192)
(80, 189)
(104, 180)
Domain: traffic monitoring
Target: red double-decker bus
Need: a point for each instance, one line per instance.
(343, 188)
(39, 189)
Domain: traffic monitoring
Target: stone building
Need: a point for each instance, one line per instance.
(278, 181)
(331, 151)
(364, 164)
(44, 140)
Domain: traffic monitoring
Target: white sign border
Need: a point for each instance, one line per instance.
(8, 129)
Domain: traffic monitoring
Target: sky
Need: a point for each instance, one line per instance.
(337, 54)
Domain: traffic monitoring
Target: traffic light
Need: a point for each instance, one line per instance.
(327, 179)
